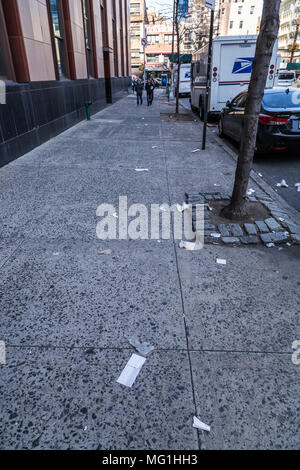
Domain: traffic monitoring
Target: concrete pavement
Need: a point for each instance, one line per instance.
(222, 334)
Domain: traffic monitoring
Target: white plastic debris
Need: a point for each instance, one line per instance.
(282, 184)
(131, 371)
(141, 169)
(250, 192)
(281, 219)
(189, 246)
(215, 235)
(162, 208)
(154, 147)
(56, 254)
(115, 215)
(105, 253)
(297, 185)
(280, 249)
(221, 261)
(183, 207)
(288, 244)
(2, 353)
(259, 174)
(270, 245)
(142, 348)
(200, 425)
(195, 151)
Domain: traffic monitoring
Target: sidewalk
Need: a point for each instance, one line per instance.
(222, 334)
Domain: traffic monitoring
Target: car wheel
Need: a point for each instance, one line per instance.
(221, 128)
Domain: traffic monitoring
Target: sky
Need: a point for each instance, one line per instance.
(168, 4)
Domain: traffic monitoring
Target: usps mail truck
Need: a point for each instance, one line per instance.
(232, 62)
(185, 79)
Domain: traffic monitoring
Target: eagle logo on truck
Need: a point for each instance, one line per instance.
(243, 65)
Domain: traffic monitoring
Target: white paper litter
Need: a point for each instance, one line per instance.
(56, 254)
(250, 191)
(288, 244)
(143, 348)
(183, 207)
(105, 252)
(221, 261)
(191, 246)
(200, 425)
(259, 174)
(131, 371)
(154, 147)
(282, 184)
(215, 235)
(195, 151)
(297, 185)
(270, 245)
(115, 215)
(141, 169)
(2, 353)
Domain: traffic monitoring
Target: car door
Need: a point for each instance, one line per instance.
(229, 117)
(239, 116)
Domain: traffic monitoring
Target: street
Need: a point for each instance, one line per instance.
(273, 168)
(70, 302)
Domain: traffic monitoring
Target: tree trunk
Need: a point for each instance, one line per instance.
(264, 49)
(178, 55)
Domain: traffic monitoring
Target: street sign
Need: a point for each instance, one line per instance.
(144, 42)
(165, 66)
(210, 4)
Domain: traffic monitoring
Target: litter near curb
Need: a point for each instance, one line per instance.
(221, 261)
(183, 207)
(195, 151)
(282, 184)
(141, 169)
(105, 253)
(131, 370)
(200, 425)
(2, 353)
(154, 147)
(297, 185)
(250, 192)
(142, 348)
(270, 245)
(215, 235)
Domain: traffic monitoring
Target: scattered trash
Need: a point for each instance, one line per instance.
(281, 219)
(183, 207)
(141, 169)
(143, 348)
(282, 184)
(250, 192)
(288, 244)
(105, 253)
(143, 119)
(154, 147)
(216, 185)
(200, 425)
(194, 151)
(2, 353)
(298, 187)
(215, 235)
(280, 249)
(191, 246)
(221, 261)
(56, 254)
(115, 215)
(270, 245)
(162, 208)
(259, 174)
(116, 258)
(131, 371)
(85, 428)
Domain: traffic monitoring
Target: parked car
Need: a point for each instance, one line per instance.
(279, 120)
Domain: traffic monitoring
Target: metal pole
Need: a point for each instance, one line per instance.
(173, 47)
(208, 78)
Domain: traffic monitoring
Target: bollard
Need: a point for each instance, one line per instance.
(88, 111)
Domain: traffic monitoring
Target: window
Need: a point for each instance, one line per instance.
(240, 10)
(135, 54)
(135, 9)
(252, 8)
(168, 38)
(223, 11)
(103, 26)
(136, 31)
(115, 45)
(153, 38)
(231, 25)
(58, 38)
(152, 58)
(88, 37)
(6, 67)
(241, 24)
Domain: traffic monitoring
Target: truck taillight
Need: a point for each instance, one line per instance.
(267, 120)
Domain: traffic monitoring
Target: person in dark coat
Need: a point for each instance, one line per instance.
(139, 92)
(150, 92)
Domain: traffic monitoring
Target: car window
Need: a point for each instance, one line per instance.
(286, 76)
(240, 100)
(282, 100)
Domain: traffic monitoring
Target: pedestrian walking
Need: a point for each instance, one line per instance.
(134, 83)
(150, 92)
(139, 92)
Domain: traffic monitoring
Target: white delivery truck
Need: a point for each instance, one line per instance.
(185, 79)
(232, 62)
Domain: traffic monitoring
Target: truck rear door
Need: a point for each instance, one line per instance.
(236, 62)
